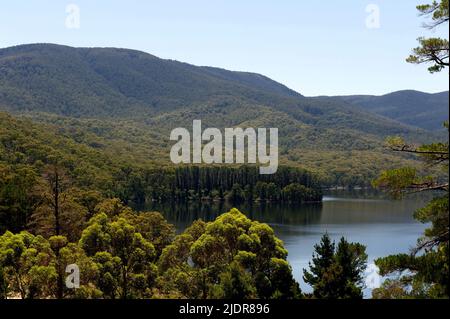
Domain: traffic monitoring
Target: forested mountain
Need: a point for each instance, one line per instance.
(119, 83)
(111, 82)
(123, 104)
(420, 109)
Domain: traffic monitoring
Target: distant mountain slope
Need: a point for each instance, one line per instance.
(120, 83)
(124, 103)
(424, 110)
(98, 150)
(114, 82)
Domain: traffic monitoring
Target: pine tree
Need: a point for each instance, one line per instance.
(321, 261)
(337, 273)
(352, 259)
(433, 50)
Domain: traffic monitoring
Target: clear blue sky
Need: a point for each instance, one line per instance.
(315, 47)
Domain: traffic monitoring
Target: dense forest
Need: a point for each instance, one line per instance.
(234, 184)
(393, 105)
(124, 104)
(97, 152)
(28, 152)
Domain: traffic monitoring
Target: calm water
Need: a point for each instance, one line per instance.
(384, 226)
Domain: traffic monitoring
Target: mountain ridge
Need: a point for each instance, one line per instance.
(145, 80)
(126, 102)
(110, 82)
(425, 110)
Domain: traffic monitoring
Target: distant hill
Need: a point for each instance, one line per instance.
(86, 82)
(121, 83)
(424, 110)
(124, 103)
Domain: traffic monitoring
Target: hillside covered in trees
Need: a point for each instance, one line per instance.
(413, 108)
(122, 104)
(29, 151)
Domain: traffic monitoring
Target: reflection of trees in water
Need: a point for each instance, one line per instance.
(373, 194)
(353, 207)
(286, 213)
(356, 193)
(368, 211)
(182, 214)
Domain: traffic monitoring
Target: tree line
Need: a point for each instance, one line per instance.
(215, 183)
(24, 193)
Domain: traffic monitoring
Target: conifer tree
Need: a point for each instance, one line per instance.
(337, 273)
(321, 261)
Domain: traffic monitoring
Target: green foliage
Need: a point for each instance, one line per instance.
(436, 214)
(117, 245)
(352, 258)
(244, 256)
(437, 10)
(235, 283)
(18, 200)
(419, 109)
(103, 133)
(396, 180)
(118, 107)
(427, 275)
(58, 212)
(433, 50)
(34, 267)
(337, 273)
(28, 264)
(232, 257)
(322, 259)
(30, 154)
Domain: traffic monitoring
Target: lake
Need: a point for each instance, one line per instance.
(385, 226)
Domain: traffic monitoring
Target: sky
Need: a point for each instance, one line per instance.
(324, 47)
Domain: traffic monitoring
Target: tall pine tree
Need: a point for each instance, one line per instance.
(337, 273)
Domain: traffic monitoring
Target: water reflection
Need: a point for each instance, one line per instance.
(182, 215)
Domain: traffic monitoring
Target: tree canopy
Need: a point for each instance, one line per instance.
(433, 50)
